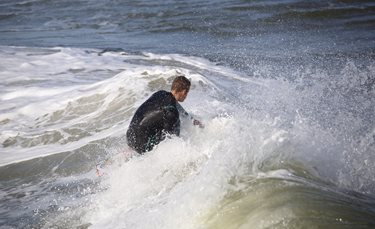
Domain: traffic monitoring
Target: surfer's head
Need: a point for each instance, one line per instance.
(180, 88)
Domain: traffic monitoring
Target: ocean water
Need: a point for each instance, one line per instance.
(285, 89)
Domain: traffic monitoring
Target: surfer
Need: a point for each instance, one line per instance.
(158, 116)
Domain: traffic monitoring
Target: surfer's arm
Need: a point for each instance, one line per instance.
(171, 123)
(184, 114)
(182, 111)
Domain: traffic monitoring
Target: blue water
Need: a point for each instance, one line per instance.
(217, 29)
(286, 90)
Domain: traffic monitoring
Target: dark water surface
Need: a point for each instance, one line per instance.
(227, 30)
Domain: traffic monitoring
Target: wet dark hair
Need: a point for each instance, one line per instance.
(180, 83)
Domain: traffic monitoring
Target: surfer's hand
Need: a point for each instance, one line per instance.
(198, 123)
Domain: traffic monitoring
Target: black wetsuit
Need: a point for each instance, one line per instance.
(155, 118)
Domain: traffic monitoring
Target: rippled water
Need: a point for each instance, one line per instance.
(285, 89)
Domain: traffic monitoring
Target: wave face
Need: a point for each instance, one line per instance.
(286, 91)
(273, 153)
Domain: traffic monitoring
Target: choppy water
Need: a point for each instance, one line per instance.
(286, 90)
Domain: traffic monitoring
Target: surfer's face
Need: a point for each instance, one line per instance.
(181, 95)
